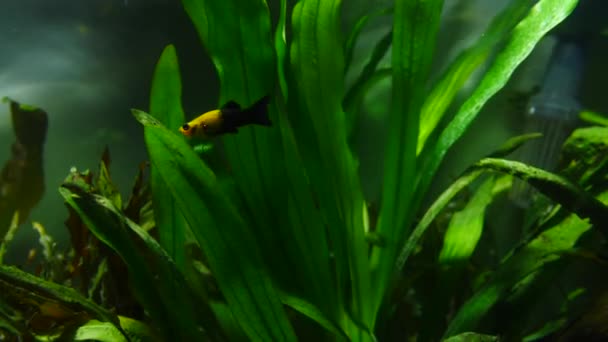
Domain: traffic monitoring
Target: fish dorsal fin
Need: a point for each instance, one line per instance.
(231, 105)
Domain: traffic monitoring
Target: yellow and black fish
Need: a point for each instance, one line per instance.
(227, 119)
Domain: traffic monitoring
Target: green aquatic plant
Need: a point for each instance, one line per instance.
(277, 242)
(298, 203)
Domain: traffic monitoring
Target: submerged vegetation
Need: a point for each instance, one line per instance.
(22, 177)
(274, 239)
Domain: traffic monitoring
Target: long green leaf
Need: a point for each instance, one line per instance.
(317, 65)
(22, 288)
(95, 330)
(594, 118)
(355, 94)
(309, 310)
(98, 331)
(558, 188)
(466, 226)
(166, 92)
(472, 337)
(280, 47)
(305, 225)
(353, 36)
(415, 28)
(308, 230)
(166, 106)
(230, 248)
(8, 237)
(137, 331)
(465, 64)
(545, 15)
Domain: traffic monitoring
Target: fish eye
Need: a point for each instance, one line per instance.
(205, 127)
(186, 127)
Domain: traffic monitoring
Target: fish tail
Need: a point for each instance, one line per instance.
(258, 112)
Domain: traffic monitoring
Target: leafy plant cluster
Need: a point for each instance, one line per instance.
(277, 242)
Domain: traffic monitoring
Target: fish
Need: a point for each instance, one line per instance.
(227, 119)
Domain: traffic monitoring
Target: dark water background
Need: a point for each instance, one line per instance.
(87, 63)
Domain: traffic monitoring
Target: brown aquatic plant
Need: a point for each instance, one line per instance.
(22, 177)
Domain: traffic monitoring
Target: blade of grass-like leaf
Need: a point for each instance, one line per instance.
(231, 326)
(471, 336)
(95, 330)
(6, 323)
(166, 106)
(353, 36)
(10, 234)
(166, 92)
(138, 331)
(312, 312)
(317, 64)
(545, 248)
(376, 56)
(465, 64)
(354, 95)
(20, 286)
(545, 15)
(594, 118)
(558, 188)
(305, 221)
(280, 47)
(307, 224)
(237, 37)
(466, 226)
(548, 329)
(512, 144)
(229, 246)
(415, 28)
(157, 282)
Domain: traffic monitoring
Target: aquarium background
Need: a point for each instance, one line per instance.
(88, 63)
